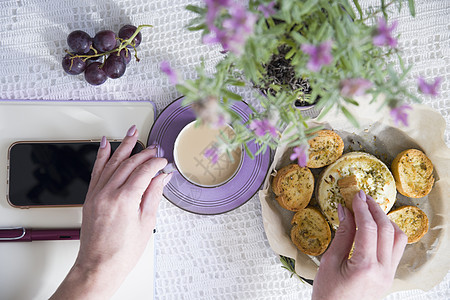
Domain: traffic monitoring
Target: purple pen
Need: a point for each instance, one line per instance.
(20, 234)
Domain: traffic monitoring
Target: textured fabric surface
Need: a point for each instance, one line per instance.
(198, 257)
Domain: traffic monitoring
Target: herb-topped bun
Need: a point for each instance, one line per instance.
(413, 173)
(370, 174)
(310, 233)
(411, 220)
(325, 148)
(293, 187)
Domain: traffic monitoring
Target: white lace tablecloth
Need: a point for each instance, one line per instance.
(198, 257)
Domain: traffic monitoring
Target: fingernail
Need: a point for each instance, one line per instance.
(103, 142)
(152, 146)
(131, 131)
(169, 168)
(341, 212)
(167, 178)
(362, 195)
(160, 152)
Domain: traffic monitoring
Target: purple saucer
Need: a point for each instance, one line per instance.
(206, 200)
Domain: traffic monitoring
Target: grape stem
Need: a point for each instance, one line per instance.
(123, 44)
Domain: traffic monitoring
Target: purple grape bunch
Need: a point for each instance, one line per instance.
(113, 50)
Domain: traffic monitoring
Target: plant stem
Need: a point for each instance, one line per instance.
(288, 264)
(130, 40)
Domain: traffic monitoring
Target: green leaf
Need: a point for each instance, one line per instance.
(412, 8)
(291, 139)
(413, 97)
(277, 30)
(262, 149)
(290, 53)
(236, 82)
(325, 111)
(233, 114)
(289, 264)
(383, 9)
(231, 95)
(270, 22)
(198, 27)
(405, 73)
(299, 38)
(349, 9)
(358, 7)
(349, 100)
(340, 32)
(249, 153)
(350, 117)
(375, 97)
(196, 9)
(323, 31)
(308, 6)
(182, 89)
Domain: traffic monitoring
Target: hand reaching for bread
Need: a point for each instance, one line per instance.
(378, 248)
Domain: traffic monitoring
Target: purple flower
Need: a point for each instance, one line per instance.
(319, 55)
(429, 88)
(261, 127)
(399, 114)
(268, 9)
(213, 154)
(352, 87)
(241, 20)
(213, 8)
(301, 154)
(222, 120)
(236, 30)
(209, 111)
(229, 41)
(173, 76)
(383, 34)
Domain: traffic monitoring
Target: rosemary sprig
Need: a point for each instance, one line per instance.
(289, 264)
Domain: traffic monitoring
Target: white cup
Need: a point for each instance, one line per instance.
(189, 155)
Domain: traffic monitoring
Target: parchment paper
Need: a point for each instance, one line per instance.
(424, 263)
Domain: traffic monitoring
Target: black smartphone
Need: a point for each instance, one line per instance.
(54, 173)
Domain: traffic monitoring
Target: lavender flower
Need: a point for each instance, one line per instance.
(352, 87)
(319, 55)
(213, 154)
(209, 111)
(301, 154)
(213, 8)
(241, 20)
(173, 76)
(383, 34)
(261, 127)
(229, 41)
(429, 88)
(236, 30)
(268, 9)
(399, 114)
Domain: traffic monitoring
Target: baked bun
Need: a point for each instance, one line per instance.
(325, 148)
(413, 173)
(293, 187)
(372, 176)
(310, 233)
(348, 187)
(411, 220)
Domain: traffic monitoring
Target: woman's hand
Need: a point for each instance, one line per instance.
(119, 215)
(378, 248)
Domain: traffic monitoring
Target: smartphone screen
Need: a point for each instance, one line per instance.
(52, 173)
